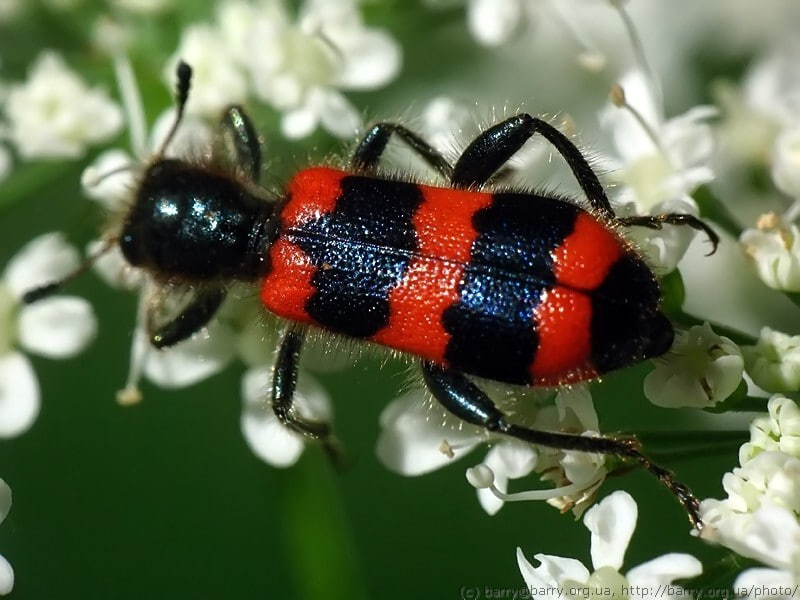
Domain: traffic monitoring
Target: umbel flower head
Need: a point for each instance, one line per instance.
(611, 523)
(759, 518)
(56, 327)
(415, 441)
(55, 115)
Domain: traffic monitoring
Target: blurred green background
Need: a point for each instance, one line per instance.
(164, 499)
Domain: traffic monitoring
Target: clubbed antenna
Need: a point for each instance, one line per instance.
(183, 73)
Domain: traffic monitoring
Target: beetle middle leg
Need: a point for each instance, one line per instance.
(469, 403)
(284, 383)
(370, 150)
(494, 148)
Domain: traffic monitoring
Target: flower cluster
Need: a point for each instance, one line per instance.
(763, 125)
(56, 327)
(54, 114)
(412, 442)
(759, 518)
(297, 65)
(611, 523)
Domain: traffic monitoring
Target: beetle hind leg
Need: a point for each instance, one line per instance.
(657, 221)
(465, 400)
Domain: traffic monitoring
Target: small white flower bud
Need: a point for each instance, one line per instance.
(480, 477)
(775, 252)
(774, 362)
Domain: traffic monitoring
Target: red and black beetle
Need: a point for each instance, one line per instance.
(519, 287)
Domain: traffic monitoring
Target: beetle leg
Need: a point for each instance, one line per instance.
(465, 400)
(191, 319)
(495, 146)
(656, 221)
(284, 382)
(240, 141)
(370, 149)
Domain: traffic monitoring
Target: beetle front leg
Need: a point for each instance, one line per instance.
(284, 383)
(240, 140)
(369, 151)
(190, 320)
(469, 403)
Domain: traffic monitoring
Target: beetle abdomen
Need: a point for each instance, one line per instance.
(507, 286)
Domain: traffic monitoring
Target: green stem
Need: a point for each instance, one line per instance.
(686, 320)
(717, 575)
(794, 297)
(713, 209)
(27, 180)
(669, 448)
(317, 538)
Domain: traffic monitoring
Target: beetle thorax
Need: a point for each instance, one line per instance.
(193, 222)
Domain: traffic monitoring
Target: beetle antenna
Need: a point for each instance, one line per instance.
(183, 72)
(92, 177)
(43, 291)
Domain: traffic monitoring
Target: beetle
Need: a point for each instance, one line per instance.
(520, 287)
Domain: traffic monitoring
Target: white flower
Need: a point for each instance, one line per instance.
(111, 178)
(505, 461)
(660, 163)
(299, 67)
(701, 370)
(769, 476)
(54, 327)
(492, 22)
(412, 433)
(206, 353)
(759, 519)
(774, 362)
(769, 534)
(6, 572)
(786, 161)
(611, 523)
(779, 431)
(217, 79)
(258, 338)
(772, 84)
(55, 115)
(496, 22)
(322, 106)
(267, 437)
(774, 249)
(660, 159)
(417, 437)
(767, 102)
(765, 584)
(443, 121)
